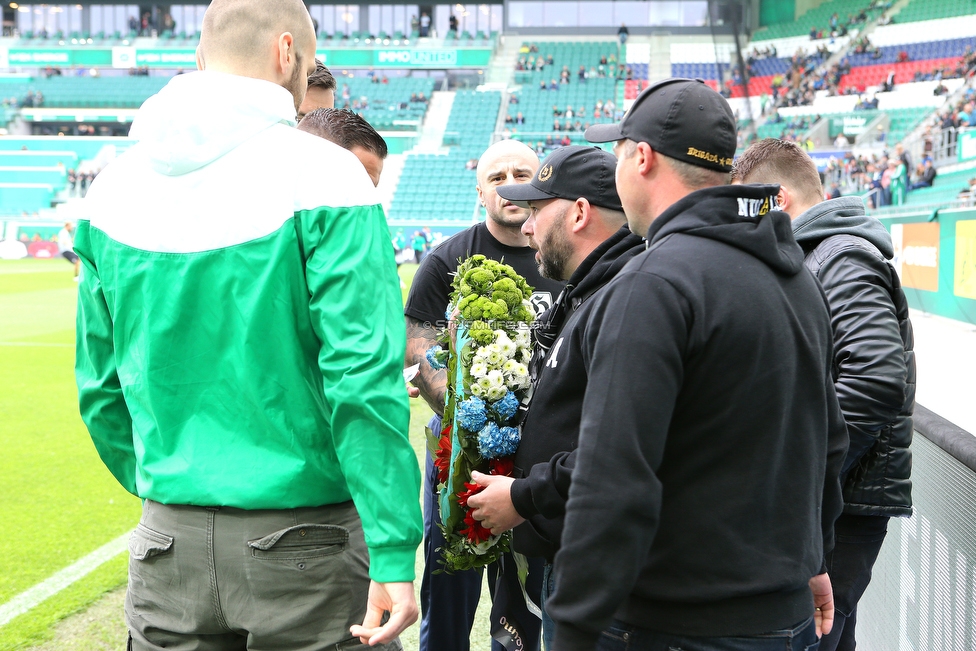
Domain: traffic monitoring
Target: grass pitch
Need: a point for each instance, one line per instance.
(58, 502)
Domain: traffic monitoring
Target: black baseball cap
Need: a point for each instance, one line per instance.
(681, 118)
(570, 173)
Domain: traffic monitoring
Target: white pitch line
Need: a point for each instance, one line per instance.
(56, 583)
(29, 344)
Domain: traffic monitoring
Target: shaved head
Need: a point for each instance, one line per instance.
(265, 39)
(505, 149)
(243, 29)
(505, 162)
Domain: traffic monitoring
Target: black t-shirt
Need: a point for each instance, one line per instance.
(431, 289)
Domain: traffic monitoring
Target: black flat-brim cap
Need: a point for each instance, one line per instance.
(570, 173)
(680, 118)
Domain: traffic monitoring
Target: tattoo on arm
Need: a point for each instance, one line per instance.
(432, 384)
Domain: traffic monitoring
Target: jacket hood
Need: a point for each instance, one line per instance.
(843, 216)
(738, 215)
(200, 116)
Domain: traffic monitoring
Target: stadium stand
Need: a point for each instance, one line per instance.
(919, 10)
(388, 104)
(86, 92)
(451, 207)
(850, 14)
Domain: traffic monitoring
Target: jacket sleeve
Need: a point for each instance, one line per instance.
(837, 445)
(545, 489)
(356, 309)
(100, 398)
(610, 525)
(869, 354)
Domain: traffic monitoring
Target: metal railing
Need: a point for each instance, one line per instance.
(924, 586)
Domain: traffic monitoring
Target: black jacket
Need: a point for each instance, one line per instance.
(874, 365)
(547, 451)
(711, 440)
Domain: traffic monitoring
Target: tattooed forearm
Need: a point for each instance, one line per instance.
(432, 384)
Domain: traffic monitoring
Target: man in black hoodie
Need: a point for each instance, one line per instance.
(874, 365)
(578, 227)
(711, 440)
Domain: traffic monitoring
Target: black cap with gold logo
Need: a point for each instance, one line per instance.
(570, 173)
(681, 118)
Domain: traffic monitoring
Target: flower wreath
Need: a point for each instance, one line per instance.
(487, 381)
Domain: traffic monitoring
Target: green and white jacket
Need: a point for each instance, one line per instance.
(240, 323)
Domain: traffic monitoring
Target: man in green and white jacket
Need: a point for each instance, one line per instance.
(239, 354)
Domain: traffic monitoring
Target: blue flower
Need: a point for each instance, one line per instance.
(506, 407)
(433, 354)
(495, 442)
(471, 414)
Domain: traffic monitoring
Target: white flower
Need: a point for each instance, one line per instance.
(485, 384)
(497, 393)
(517, 376)
(522, 337)
(493, 355)
(527, 305)
(479, 368)
(495, 379)
(524, 355)
(509, 366)
(506, 345)
(476, 390)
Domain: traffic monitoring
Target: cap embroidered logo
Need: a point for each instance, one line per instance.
(545, 173)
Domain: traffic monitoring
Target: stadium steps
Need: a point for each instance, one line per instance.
(502, 67)
(435, 123)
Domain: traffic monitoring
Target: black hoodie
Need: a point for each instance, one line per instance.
(546, 453)
(711, 439)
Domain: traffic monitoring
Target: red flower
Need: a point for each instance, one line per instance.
(474, 532)
(473, 489)
(442, 459)
(503, 466)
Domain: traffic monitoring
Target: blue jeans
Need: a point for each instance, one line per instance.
(624, 637)
(548, 626)
(858, 543)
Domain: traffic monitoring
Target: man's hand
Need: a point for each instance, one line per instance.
(823, 600)
(397, 599)
(493, 506)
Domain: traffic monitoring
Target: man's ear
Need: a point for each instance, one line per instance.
(645, 158)
(580, 213)
(286, 52)
(783, 199)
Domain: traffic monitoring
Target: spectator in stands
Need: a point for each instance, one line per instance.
(873, 364)
(556, 126)
(553, 85)
(349, 131)
(542, 85)
(419, 245)
(424, 24)
(519, 118)
(321, 91)
(287, 439)
(623, 33)
(888, 84)
(452, 22)
(133, 25)
(582, 74)
(925, 175)
(569, 113)
(414, 25)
